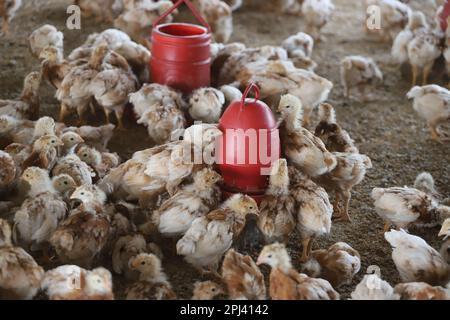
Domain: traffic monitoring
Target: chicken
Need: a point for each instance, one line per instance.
(128, 247)
(206, 290)
(300, 146)
(27, 106)
(286, 283)
(218, 15)
(71, 140)
(360, 72)
(277, 209)
(317, 14)
(96, 137)
(313, 213)
(175, 215)
(425, 183)
(138, 18)
(432, 103)
(338, 264)
(19, 153)
(40, 214)
(419, 45)
(443, 129)
(102, 9)
(75, 92)
(20, 275)
(416, 261)
(163, 168)
(70, 282)
(65, 185)
(152, 283)
(159, 108)
(111, 88)
(53, 67)
(350, 171)
(205, 104)
(372, 287)
(100, 162)
(445, 247)
(231, 94)
(7, 171)
(242, 277)
(210, 236)
(82, 236)
(394, 16)
(45, 153)
(403, 206)
(44, 37)
(421, 291)
(8, 10)
(299, 48)
(75, 168)
(335, 138)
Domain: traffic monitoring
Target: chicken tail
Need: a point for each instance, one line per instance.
(400, 47)
(377, 193)
(425, 182)
(185, 246)
(112, 180)
(415, 92)
(327, 113)
(395, 237)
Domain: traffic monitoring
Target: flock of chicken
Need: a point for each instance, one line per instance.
(69, 203)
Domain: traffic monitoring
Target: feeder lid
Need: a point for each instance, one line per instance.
(248, 113)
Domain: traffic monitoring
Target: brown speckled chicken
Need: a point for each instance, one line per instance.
(218, 14)
(45, 152)
(205, 104)
(46, 36)
(361, 73)
(338, 264)
(8, 9)
(317, 13)
(27, 105)
(41, 213)
(65, 185)
(286, 283)
(175, 215)
(301, 147)
(152, 283)
(53, 66)
(71, 140)
(299, 48)
(82, 236)
(421, 291)
(97, 137)
(416, 261)
(70, 282)
(74, 167)
(206, 290)
(209, 237)
(19, 153)
(100, 162)
(101, 9)
(349, 172)
(242, 277)
(7, 171)
(277, 209)
(331, 133)
(20, 275)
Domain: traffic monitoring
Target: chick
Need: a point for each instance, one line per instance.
(152, 283)
(360, 72)
(299, 48)
(421, 291)
(44, 37)
(432, 104)
(13, 130)
(100, 162)
(277, 209)
(65, 185)
(286, 283)
(70, 282)
(206, 290)
(209, 237)
(96, 137)
(231, 94)
(313, 211)
(372, 287)
(175, 215)
(45, 153)
(242, 277)
(7, 171)
(19, 153)
(218, 15)
(403, 206)
(8, 9)
(41, 213)
(425, 182)
(27, 105)
(317, 14)
(335, 138)
(338, 264)
(300, 146)
(78, 170)
(71, 140)
(102, 9)
(20, 275)
(415, 260)
(53, 67)
(205, 104)
(82, 236)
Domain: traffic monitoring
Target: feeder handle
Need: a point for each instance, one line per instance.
(247, 91)
(191, 7)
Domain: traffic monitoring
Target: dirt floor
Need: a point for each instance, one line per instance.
(386, 129)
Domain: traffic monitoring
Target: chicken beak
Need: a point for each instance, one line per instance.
(259, 261)
(75, 203)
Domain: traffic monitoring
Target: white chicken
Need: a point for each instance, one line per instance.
(372, 287)
(317, 14)
(44, 37)
(75, 168)
(299, 48)
(205, 104)
(218, 14)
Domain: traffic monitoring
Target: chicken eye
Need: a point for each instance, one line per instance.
(213, 289)
(251, 207)
(287, 107)
(269, 256)
(71, 139)
(65, 182)
(85, 155)
(53, 141)
(143, 263)
(82, 193)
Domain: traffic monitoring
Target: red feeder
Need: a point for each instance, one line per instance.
(250, 144)
(181, 55)
(444, 15)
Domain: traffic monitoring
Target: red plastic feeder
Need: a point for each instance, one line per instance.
(181, 55)
(444, 15)
(250, 144)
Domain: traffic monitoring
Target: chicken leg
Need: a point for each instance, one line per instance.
(415, 71)
(426, 74)
(306, 247)
(344, 216)
(62, 113)
(119, 116)
(5, 26)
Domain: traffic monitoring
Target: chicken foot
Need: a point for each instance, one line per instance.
(307, 248)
